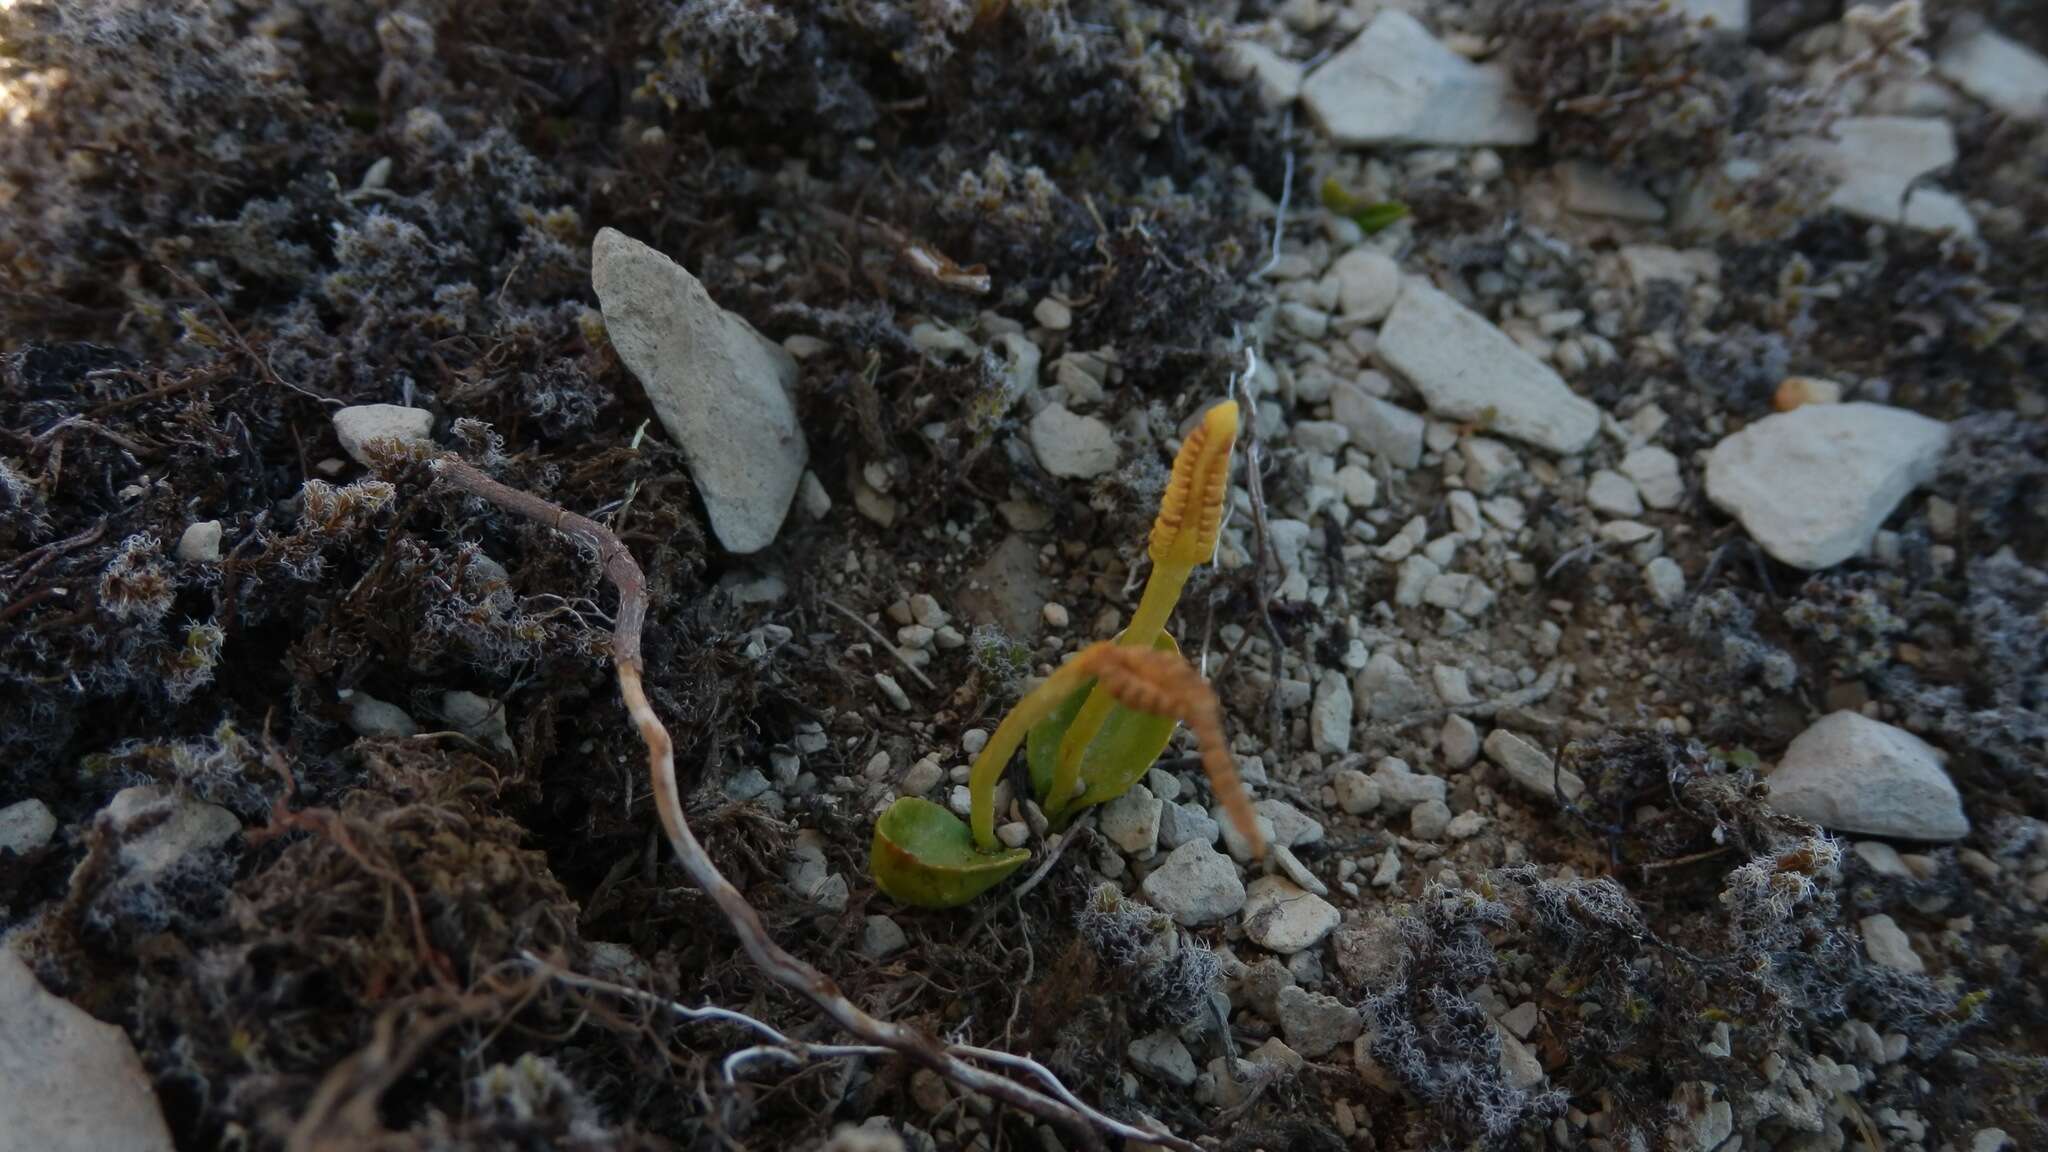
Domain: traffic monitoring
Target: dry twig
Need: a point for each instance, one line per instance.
(965, 1065)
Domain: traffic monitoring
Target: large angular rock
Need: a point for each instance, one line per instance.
(1195, 885)
(720, 388)
(68, 1083)
(1849, 773)
(1280, 916)
(1467, 369)
(1998, 70)
(1880, 162)
(1395, 84)
(1813, 485)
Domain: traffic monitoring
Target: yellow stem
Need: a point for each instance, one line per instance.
(1036, 705)
(1162, 592)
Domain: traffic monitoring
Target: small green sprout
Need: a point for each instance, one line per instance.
(1099, 721)
(1372, 216)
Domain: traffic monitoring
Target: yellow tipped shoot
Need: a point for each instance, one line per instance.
(1183, 535)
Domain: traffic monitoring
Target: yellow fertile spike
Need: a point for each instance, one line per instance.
(1183, 535)
(1191, 511)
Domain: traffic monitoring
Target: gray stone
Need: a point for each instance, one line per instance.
(1521, 1019)
(358, 426)
(1330, 717)
(200, 542)
(1185, 824)
(1357, 793)
(369, 716)
(26, 826)
(882, 937)
(1315, 1024)
(1519, 1065)
(1072, 446)
(1612, 494)
(1388, 431)
(1395, 84)
(721, 389)
(1291, 867)
(1162, 1056)
(1195, 884)
(1401, 788)
(1274, 77)
(69, 1083)
(1665, 580)
(1459, 742)
(1290, 825)
(1368, 283)
(1998, 70)
(478, 717)
(1427, 820)
(1530, 766)
(1131, 821)
(1240, 849)
(1881, 162)
(746, 784)
(1280, 916)
(1465, 825)
(1849, 773)
(1813, 485)
(1384, 689)
(1656, 476)
(1888, 945)
(1467, 369)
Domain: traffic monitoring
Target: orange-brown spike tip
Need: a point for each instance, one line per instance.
(1148, 680)
(1191, 511)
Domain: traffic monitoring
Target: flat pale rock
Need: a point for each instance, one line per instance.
(1849, 773)
(1469, 370)
(1880, 160)
(1591, 190)
(720, 388)
(1281, 916)
(1998, 70)
(68, 1083)
(1276, 78)
(1388, 431)
(1072, 446)
(1396, 84)
(357, 426)
(1195, 885)
(1813, 485)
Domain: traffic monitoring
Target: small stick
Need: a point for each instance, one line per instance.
(1050, 1100)
(875, 632)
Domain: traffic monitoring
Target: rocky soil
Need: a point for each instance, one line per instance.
(1632, 616)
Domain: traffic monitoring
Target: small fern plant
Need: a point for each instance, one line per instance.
(1092, 728)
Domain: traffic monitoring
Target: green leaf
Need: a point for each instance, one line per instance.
(1117, 758)
(925, 856)
(1372, 216)
(1377, 217)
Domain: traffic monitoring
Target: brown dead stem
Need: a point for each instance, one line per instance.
(965, 1065)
